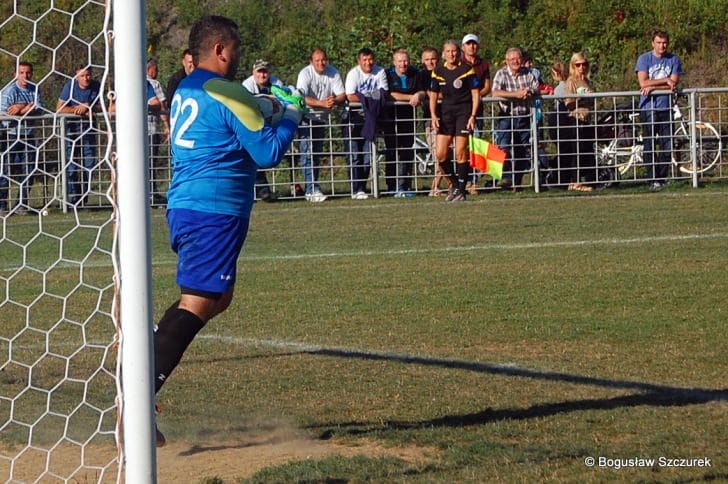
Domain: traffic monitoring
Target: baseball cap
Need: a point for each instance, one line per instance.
(471, 37)
(261, 65)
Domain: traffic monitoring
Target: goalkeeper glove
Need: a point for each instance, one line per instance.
(293, 113)
(292, 97)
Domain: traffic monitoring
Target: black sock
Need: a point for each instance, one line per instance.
(463, 170)
(447, 170)
(172, 336)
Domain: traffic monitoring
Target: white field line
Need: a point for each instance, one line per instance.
(508, 369)
(386, 202)
(486, 247)
(162, 261)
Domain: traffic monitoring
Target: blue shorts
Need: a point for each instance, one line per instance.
(207, 246)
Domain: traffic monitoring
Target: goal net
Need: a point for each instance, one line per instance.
(60, 389)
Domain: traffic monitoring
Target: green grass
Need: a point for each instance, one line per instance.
(516, 334)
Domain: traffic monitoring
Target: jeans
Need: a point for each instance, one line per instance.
(399, 139)
(311, 134)
(358, 154)
(78, 175)
(157, 169)
(16, 160)
(657, 124)
(513, 135)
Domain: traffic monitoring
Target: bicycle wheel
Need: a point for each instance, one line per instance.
(708, 147)
(614, 160)
(424, 164)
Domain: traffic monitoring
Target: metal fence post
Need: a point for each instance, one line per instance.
(534, 151)
(693, 138)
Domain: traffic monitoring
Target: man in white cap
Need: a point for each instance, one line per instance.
(260, 82)
(470, 47)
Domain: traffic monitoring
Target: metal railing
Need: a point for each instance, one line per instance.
(40, 152)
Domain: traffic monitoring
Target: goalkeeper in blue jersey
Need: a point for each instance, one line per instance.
(219, 140)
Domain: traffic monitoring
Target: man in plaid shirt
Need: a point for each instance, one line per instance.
(517, 85)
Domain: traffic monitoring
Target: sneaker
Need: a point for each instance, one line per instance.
(266, 195)
(316, 197)
(657, 186)
(161, 439)
(401, 193)
(360, 195)
(505, 183)
(578, 187)
(456, 195)
(297, 190)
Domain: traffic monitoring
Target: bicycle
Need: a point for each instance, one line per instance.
(707, 149)
(626, 149)
(423, 157)
(424, 161)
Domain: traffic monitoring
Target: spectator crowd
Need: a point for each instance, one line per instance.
(375, 102)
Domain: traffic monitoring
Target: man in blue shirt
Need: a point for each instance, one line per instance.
(657, 69)
(406, 85)
(80, 97)
(20, 99)
(219, 140)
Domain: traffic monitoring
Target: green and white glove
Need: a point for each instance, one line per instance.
(288, 96)
(293, 113)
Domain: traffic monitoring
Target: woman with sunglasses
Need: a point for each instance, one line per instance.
(580, 135)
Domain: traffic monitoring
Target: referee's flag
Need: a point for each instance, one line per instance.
(487, 157)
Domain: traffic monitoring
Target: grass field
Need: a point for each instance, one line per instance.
(510, 338)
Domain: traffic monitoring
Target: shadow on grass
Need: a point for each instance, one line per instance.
(536, 411)
(198, 449)
(653, 395)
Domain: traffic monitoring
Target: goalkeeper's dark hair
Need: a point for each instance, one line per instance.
(210, 30)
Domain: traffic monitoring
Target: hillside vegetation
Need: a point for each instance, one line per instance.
(611, 32)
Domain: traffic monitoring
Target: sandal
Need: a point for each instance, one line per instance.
(578, 187)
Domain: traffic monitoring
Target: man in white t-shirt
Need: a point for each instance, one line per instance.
(261, 80)
(323, 90)
(366, 83)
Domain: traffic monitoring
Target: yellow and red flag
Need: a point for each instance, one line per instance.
(487, 157)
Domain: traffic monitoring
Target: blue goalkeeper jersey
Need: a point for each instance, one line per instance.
(219, 139)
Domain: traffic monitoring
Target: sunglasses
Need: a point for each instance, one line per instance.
(581, 64)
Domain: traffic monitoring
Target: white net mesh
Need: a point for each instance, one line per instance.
(58, 355)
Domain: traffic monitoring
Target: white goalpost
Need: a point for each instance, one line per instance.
(134, 246)
(76, 386)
